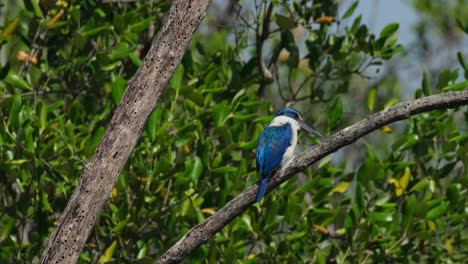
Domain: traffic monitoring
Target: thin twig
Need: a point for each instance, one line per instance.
(167, 194)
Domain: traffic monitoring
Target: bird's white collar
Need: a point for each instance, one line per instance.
(282, 120)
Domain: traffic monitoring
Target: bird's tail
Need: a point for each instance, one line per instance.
(262, 188)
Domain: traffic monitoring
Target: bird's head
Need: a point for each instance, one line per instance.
(296, 115)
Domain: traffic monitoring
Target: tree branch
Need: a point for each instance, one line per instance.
(261, 36)
(204, 231)
(100, 174)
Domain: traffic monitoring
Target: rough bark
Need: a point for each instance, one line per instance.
(204, 231)
(100, 174)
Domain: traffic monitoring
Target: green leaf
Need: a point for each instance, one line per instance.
(13, 118)
(137, 61)
(42, 116)
(248, 145)
(237, 98)
(100, 12)
(371, 99)
(391, 103)
(178, 77)
(196, 169)
(295, 236)
(97, 136)
(421, 185)
(293, 59)
(248, 222)
(37, 9)
(357, 29)
(324, 161)
(246, 117)
(111, 66)
(335, 113)
(457, 86)
(96, 30)
(118, 89)
(152, 122)
(340, 188)
(141, 25)
(350, 10)
(16, 162)
(16, 81)
(107, 256)
(381, 216)
(389, 30)
(284, 22)
(225, 169)
(197, 97)
(121, 51)
(461, 139)
(462, 61)
(7, 226)
(142, 252)
(9, 29)
(426, 85)
(221, 114)
(438, 211)
(45, 203)
(410, 204)
(320, 257)
(410, 141)
(461, 25)
(117, 229)
(446, 77)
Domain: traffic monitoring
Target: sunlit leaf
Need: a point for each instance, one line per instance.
(404, 180)
(371, 98)
(9, 28)
(107, 256)
(387, 129)
(431, 225)
(448, 246)
(340, 188)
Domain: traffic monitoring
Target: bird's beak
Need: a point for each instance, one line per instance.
(309, 129)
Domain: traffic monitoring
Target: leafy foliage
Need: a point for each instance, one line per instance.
(65, 66)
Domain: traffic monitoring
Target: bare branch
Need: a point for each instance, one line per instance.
(204, 231)
(262, 35)
(141, 96)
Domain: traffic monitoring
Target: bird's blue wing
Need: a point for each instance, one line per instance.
(272, 144)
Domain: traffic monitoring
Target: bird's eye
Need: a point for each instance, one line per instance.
(296, 115)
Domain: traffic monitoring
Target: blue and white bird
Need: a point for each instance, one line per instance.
(277, 143)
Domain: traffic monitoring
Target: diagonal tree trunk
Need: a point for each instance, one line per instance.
(100, 174)
(201, 233)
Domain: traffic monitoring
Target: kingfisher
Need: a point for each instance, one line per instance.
(276, 144)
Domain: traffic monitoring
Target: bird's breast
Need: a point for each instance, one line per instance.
(289, 153)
